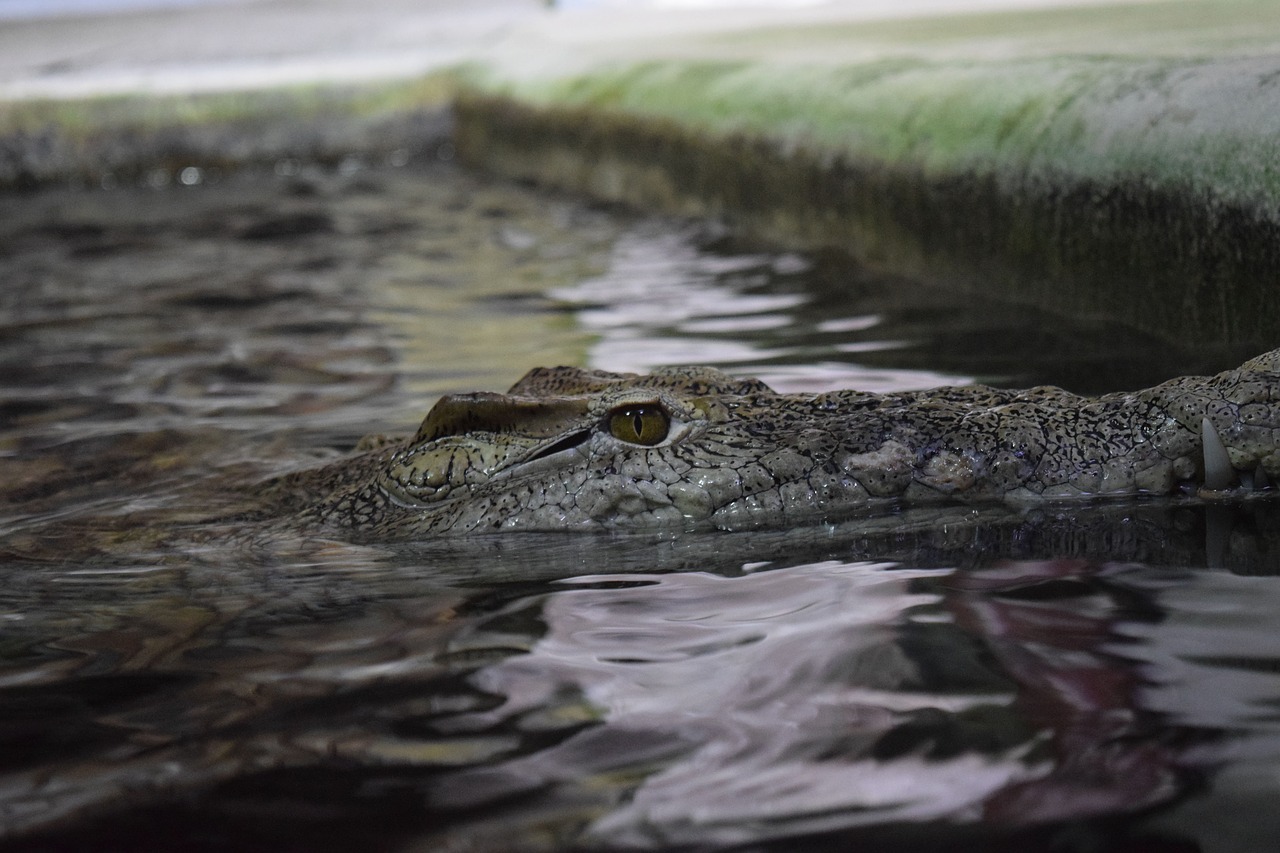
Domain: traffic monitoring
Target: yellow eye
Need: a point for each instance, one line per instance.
(643, 423)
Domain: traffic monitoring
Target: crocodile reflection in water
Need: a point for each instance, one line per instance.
(570, 449)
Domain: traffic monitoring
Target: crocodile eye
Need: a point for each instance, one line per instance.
(643, 423)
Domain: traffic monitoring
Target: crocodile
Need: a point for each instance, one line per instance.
(692, 447)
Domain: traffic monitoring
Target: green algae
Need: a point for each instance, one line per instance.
(155, 112)
(1213, 125)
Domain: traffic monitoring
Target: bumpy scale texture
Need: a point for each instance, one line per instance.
(561, 451)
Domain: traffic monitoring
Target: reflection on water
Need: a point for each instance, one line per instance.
(1097, 678)
(665, 300)
(768, 698)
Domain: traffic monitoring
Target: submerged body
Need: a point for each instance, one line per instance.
(569, 449)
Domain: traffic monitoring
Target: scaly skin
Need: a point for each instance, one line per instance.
(738, 455)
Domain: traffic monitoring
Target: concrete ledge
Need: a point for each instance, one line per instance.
(1174, 261)
(1120, 159)
(1148, 191)
(132, 138)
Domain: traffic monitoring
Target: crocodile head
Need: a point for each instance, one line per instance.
(572, 449)
(566, 448)
(563, 448)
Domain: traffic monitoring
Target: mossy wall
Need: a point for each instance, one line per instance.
(1067, 199)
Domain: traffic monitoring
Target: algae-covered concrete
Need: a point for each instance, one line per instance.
(1121, 159)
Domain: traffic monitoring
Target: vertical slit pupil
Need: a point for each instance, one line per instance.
(643, 424)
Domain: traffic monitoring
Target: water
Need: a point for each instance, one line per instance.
(1078, 678)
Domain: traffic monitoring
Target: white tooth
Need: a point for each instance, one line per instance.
(1260, 479)
(1217, 465)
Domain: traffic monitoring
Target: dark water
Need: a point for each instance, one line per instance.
(1077, 678)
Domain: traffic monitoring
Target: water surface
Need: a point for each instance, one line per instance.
(1073, 678)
